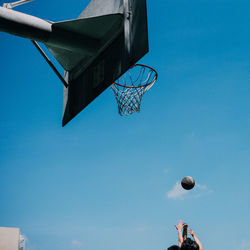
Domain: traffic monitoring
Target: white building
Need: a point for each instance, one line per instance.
(10, 239)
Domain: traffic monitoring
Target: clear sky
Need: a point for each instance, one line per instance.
(112, 183)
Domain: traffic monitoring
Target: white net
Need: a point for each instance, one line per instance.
(131, 86)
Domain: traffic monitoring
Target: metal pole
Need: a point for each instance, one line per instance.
(50, 63)
(15, 4)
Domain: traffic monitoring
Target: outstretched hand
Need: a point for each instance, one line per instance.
(179, 227)
(191, 232)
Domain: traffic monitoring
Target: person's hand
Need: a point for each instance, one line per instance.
(179, 226)
(191, 232)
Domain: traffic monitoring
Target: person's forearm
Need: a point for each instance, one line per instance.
(197, 241)
(180, 238)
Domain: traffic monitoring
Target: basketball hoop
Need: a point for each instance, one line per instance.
(131, 86)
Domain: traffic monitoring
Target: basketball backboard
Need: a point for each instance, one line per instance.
(116, 37)
(95, 49)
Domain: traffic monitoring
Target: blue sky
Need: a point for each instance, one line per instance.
(111, 182)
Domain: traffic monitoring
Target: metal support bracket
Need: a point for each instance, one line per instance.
(15, 4)
(50, 63)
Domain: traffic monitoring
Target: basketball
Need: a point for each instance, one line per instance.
(188, 182)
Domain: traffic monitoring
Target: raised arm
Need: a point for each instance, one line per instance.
(179, 228)
(184, 231)
(196, 239)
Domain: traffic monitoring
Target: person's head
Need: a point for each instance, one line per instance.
(174, 247)
(189, 244)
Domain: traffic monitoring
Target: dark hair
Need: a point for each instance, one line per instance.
(189, 244)
(174, 247)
